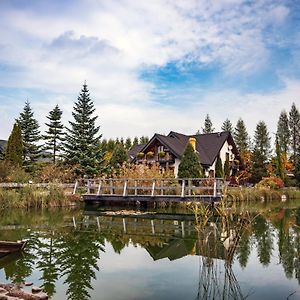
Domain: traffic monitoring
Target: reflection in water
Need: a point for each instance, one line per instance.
(65, 247)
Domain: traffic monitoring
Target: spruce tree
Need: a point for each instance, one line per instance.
(128, 143)
(190, 166)
(111, 144)
(297, 171)
(283, 132)
(119, 156)
(294, 123)
(30, 136)
(54, 133)
(219, 172)
(135, 141)
(227, 126)
(241, 136)
(208, 126)
(261, 152)
(279, 170)
(14, 148)
(82, 139)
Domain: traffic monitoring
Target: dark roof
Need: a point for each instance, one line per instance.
(2, 145)
(134, 150)
(208, 145)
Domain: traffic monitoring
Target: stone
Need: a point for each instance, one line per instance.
(42, 296)
(28, 283)
(36, 289)
(3, 291)
(3, 297)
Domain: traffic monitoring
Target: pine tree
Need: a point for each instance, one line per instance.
(119, 156)
(82, 140)
(241, 136)
(128, 143)
(54, 134)
(190, 166)
(261, 152)
(30, 136)
(278, 161)
(208, 126)
(227, 126)
(294, 123)
(283, 132)
(144, 139)
(14, 150)
(219, 168)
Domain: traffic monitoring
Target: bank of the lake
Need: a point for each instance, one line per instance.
(97, 253)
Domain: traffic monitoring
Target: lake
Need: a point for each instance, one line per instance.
(248, 251)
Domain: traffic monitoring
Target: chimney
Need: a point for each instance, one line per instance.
(192, 141)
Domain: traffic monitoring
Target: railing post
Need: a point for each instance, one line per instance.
(88, 186)
(190, 187)
(125, 189)
(99, 188)
(162, 187)
(182, 188)
(75, 187)
(135, 187)
(215, 188)
(111, 186)
(153, 188)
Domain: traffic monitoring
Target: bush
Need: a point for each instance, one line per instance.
(56, 174)
(271, 182)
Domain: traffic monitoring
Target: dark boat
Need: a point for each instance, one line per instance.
(7, 247)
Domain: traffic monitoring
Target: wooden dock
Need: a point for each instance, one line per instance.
(153, 190)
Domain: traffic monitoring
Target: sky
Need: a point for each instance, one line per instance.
(151, 66)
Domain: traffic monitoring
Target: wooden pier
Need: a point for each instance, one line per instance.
(153, 190)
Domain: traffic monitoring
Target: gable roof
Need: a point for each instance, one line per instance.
(134, 150)
(208, 145)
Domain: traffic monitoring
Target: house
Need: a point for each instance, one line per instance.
(167, 150)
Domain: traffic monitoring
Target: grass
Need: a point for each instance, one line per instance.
(31, 197)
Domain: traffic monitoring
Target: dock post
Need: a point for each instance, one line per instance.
(153, 188)
(74, 222)
(124, 225)
(75, 187)
(152, 227)
(182, 189)
(125, 188)
(162, 187)
(215, 188)
(182, 229)
(99, 188)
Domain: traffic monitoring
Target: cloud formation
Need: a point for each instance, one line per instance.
(49, 48)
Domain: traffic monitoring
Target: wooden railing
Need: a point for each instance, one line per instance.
(166, 187)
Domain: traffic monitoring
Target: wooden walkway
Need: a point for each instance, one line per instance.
(153, 190)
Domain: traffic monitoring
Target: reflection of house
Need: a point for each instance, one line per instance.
(168, 150)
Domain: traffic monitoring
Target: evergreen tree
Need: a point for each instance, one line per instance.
(279, 166)
(122, 141)
(54, 134)
(30, 136)
(144, 139)
(226, 168)
(261, 152)
(241, 136)
(111, 145)
(135, 141)
(104, 145)
(294, 123)
(119, 156)
(283, 132)
(128, 143)
(14, 148)
(190, 166)
(219, 168)
(82, 141)
(208, 126)
(227, 126)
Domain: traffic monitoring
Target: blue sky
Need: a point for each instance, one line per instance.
(151, 66)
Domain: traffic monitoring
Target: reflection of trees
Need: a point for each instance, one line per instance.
(244, 249)
(48, 250)
(263, 234)
(78, 262)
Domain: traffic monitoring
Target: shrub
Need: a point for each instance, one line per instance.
(56, 173)
(271, 182)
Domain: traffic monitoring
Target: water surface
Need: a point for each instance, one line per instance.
(86, 254)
